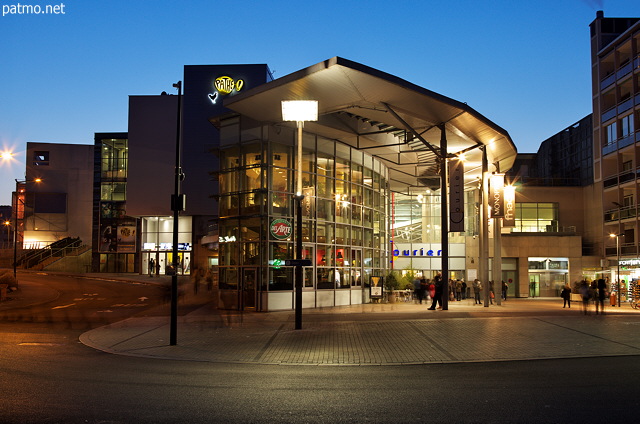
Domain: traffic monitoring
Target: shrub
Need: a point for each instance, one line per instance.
(6, 277)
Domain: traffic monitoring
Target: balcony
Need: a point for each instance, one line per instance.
(625, 105)
(609, 114)
(624, 70)
(622, 213)
(607, 81)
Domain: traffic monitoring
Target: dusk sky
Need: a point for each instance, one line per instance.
(523, 64)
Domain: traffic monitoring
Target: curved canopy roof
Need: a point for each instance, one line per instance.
(394, 120)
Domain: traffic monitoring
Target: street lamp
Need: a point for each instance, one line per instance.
(617, 236)
(7, 224)
(299, 111)
(177, 205)
(15, 222)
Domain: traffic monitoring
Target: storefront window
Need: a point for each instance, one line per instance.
(281, 278)
(343, 209)
(325, 278)
(536, 217)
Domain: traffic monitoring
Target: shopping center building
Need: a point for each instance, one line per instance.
(371, 180)
(373, 168)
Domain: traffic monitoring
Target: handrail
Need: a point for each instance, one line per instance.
(57, 248)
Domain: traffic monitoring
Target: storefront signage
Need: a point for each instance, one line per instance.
(227, 239)
(225, 85)
(417, 253)
(280, 229)
(630, 262)
(456, 195)
(496, 196)
(509, 219)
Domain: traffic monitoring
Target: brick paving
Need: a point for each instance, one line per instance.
(363, 335)
(380, 335)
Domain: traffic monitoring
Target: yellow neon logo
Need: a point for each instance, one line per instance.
(225, 85)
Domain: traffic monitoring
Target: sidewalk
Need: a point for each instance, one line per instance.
(384, 334)
(360, 335)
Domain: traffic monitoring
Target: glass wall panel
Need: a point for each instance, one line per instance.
(325, 278)
(281, 278)
(230, 158)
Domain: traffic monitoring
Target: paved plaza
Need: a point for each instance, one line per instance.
(381, 334)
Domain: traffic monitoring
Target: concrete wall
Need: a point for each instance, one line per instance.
(69, 171)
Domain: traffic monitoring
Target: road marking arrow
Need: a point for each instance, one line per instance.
(142, 299)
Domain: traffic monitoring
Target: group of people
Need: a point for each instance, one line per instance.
(596, 291)
(458, 290)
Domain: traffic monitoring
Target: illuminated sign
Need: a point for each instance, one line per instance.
(225, 85)
(630, 262)
(280, 229)
(496, 197)
(227, 239)
(456, 195)
(509, 219)
(276, 263)
(417, 252)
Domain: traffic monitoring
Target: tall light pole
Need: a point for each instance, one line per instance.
(177, 205)
(617, 236)
(15, 222)
(299, 111)
(7, 224)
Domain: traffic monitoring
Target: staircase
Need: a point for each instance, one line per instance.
(58, 249)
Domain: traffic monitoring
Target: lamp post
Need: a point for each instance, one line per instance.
(15, 222)
(177, 205)
(7, 224)
(617, 236)
(299, 111)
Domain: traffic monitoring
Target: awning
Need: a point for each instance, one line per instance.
(392, 119)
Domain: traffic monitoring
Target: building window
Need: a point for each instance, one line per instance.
(536, 218)
(626, 125)
(41, 158)
(611, 133)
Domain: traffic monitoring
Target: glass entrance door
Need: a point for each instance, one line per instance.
(248, 289)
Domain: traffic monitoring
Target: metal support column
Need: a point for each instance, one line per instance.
(444, 218)
(484, 228)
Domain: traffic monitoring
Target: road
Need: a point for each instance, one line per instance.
(47, 376)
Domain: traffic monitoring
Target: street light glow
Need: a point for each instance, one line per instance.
(299, 110)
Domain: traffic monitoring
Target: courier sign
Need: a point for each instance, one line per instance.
(280, 229)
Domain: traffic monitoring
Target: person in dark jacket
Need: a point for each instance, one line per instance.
(437, 298)
(566, 295)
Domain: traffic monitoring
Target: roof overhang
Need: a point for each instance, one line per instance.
(392, 119)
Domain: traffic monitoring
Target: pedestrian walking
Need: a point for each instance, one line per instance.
(585, 294)
(477, 288)
(505, 289)
(602, 294)
(152, 267)
(566, 295)
(458, 290)
(437, 297)
(491, 292)
(417, 290)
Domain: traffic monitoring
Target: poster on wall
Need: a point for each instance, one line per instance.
(107, 241)
(375, 290)
(126, 238)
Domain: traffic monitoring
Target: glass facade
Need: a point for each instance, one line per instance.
(536, 217)
(345, 210)
(118, 234)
